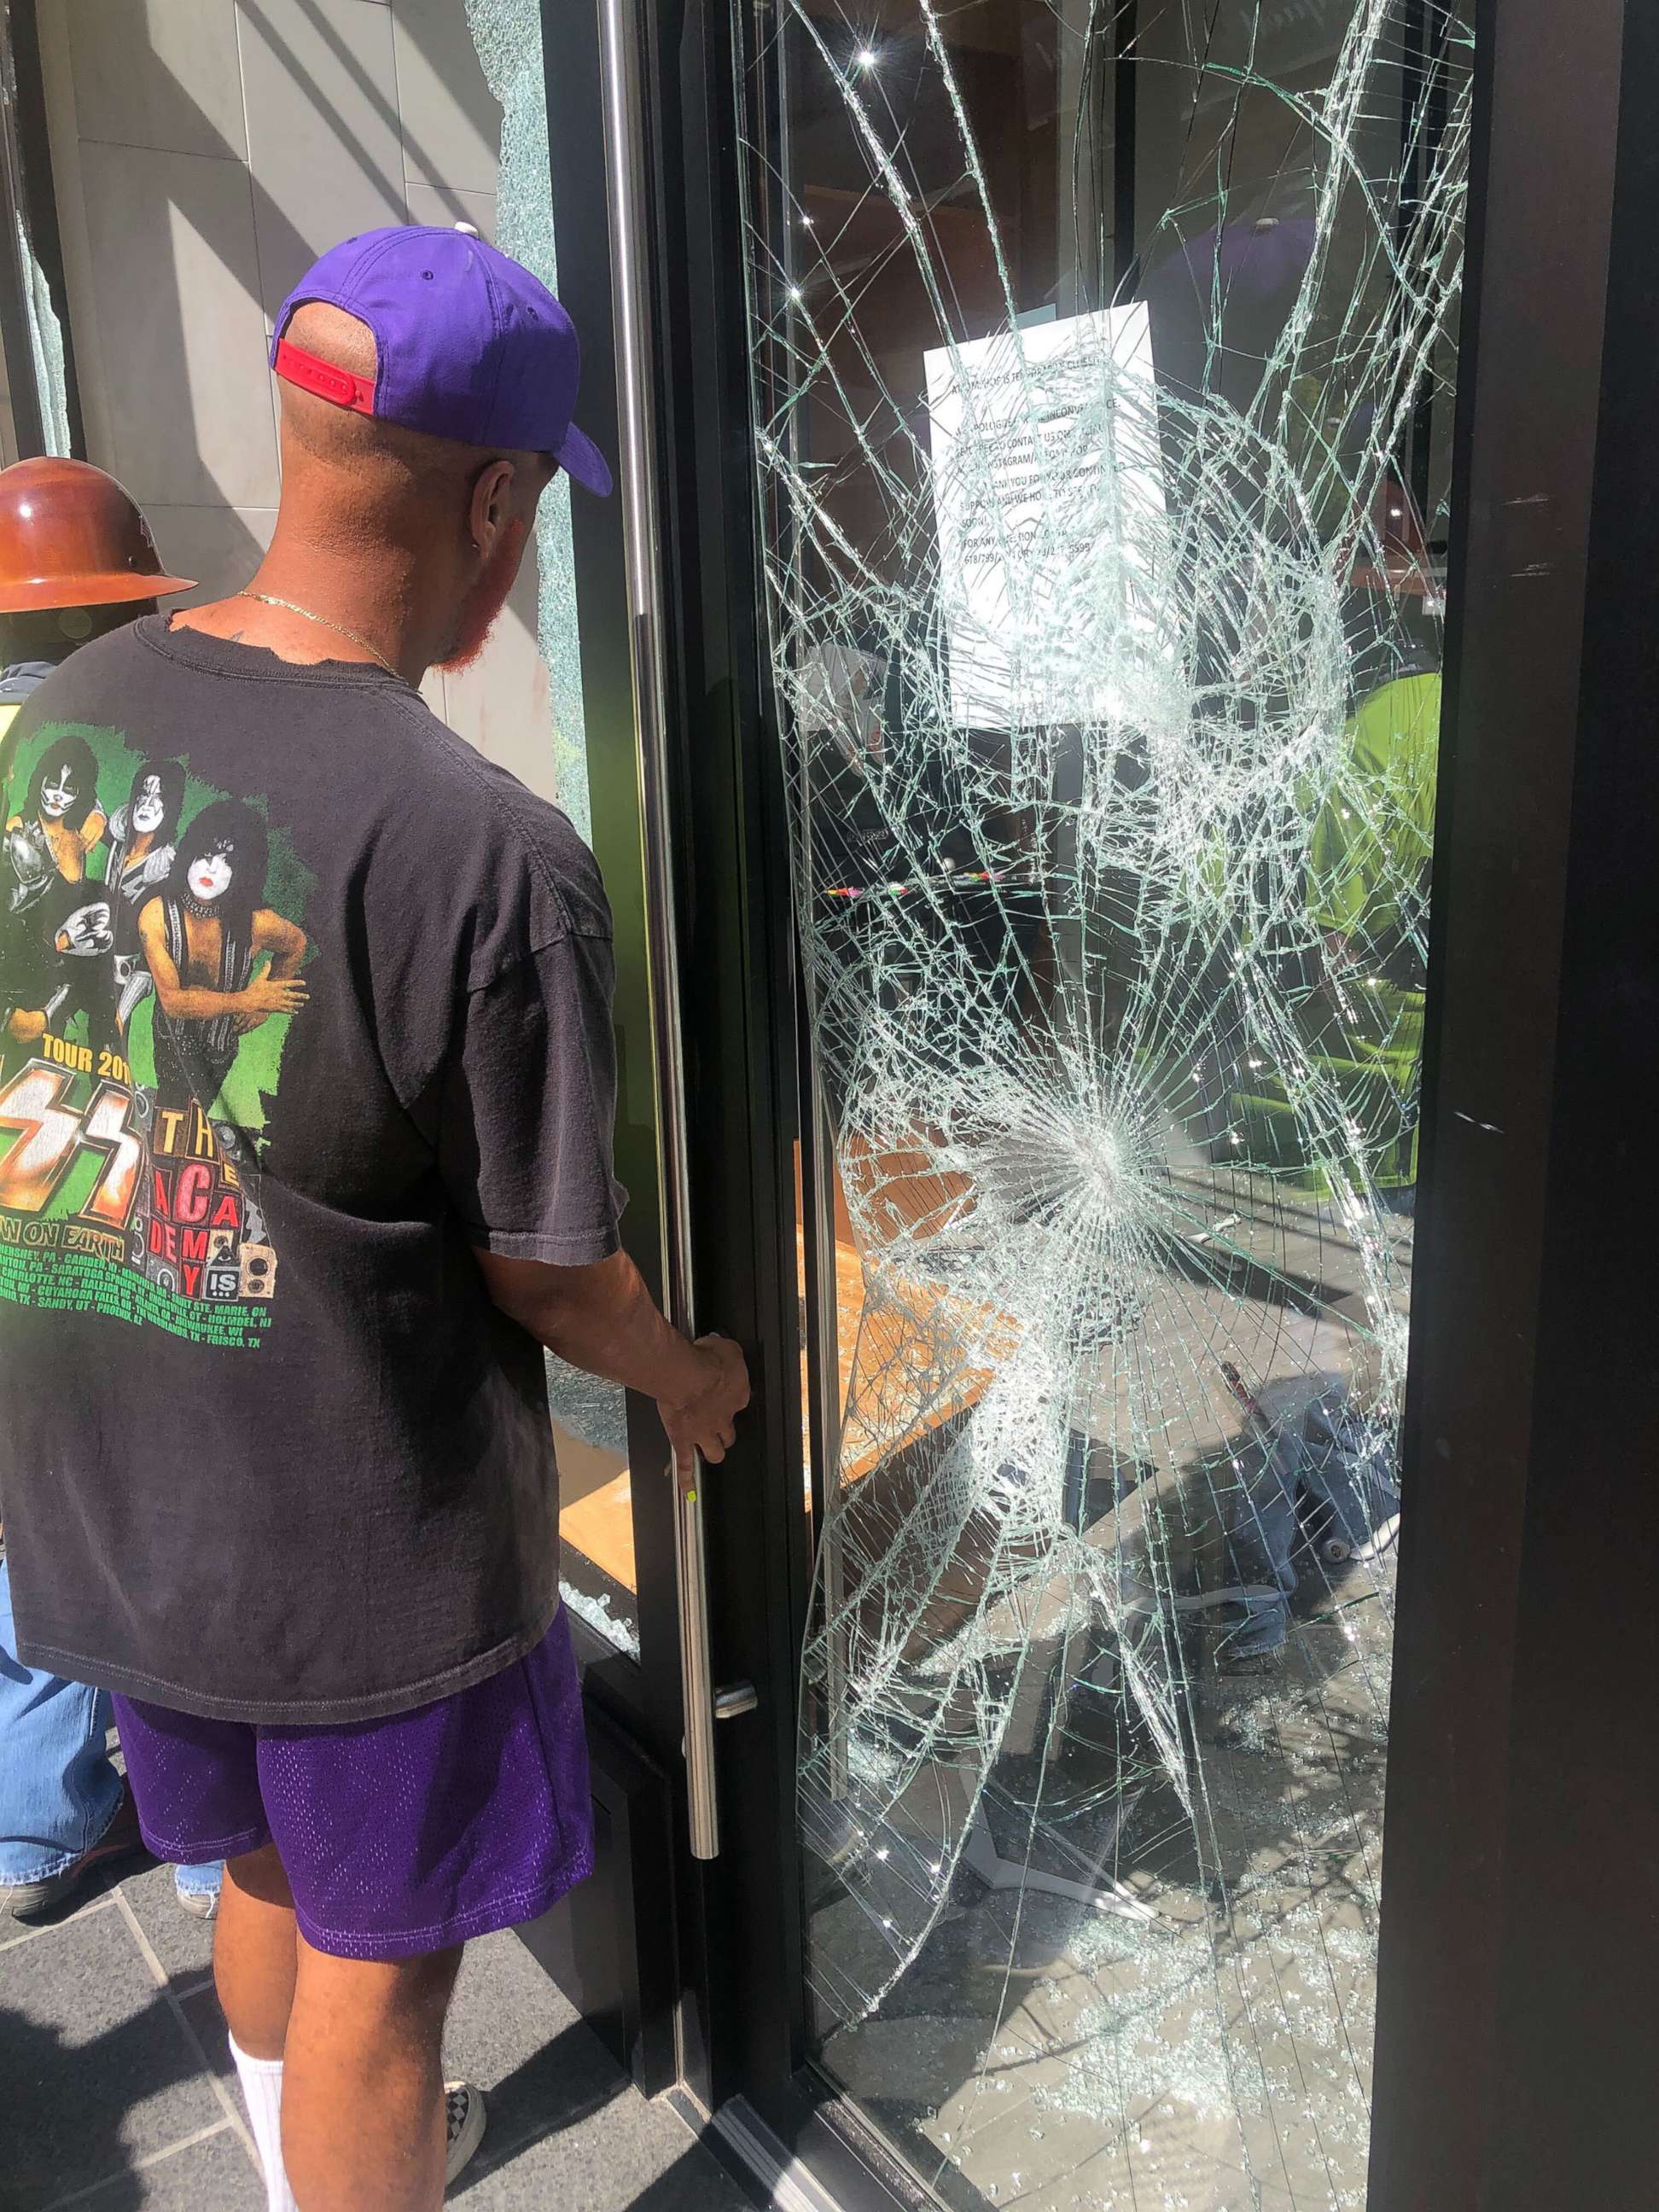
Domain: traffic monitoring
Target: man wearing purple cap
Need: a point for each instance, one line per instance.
(275, 1280)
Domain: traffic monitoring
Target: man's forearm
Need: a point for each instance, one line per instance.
(601, 1319)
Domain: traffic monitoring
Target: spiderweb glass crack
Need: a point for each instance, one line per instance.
(1105, 648)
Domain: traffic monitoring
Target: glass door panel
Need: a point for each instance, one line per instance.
(1103, 369)
(586, 763)
(600, 1575)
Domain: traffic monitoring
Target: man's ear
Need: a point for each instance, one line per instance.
(492, 505)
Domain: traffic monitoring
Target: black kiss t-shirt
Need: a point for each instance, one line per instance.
(301, 1001)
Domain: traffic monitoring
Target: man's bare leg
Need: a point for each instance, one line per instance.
(254, 1963)
(254, 1957)
(362, 2087)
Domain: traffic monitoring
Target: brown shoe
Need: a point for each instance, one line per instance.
(27, 1900)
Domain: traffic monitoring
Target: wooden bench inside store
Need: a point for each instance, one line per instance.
(920, 1394)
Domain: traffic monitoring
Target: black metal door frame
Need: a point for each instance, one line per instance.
(1516, 2046)
(739, 1013)
(629, 1946)
(737, 1001)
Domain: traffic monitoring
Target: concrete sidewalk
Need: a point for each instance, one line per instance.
(119, 2092)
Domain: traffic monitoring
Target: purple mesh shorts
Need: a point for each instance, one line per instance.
(397, 1835)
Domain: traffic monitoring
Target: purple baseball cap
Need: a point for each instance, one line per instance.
(468, 344)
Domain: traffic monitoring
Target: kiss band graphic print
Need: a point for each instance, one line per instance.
(150, 956)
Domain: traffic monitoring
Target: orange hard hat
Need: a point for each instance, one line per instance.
(70, 536)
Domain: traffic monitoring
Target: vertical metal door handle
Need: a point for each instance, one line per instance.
(636, 473)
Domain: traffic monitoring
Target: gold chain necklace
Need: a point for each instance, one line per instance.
(270, 600)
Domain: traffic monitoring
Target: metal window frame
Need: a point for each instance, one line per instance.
(741, 1996)
(1516, 2039)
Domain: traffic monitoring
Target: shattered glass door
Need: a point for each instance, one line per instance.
(599, 1578)
(1104, 357)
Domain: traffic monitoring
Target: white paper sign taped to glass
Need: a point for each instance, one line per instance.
(1048, 495)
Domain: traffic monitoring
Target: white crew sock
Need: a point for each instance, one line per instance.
(262, 2089)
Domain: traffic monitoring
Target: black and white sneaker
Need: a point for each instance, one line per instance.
(464, 2121)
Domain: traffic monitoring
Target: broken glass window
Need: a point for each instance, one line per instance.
(46, 349)
(507, 37)
(599, 1581)
(1104, 356)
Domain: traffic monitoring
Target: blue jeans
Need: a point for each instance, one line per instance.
(58, 1791)
(1331, 1458)
(198, 1881)
(58, 1787)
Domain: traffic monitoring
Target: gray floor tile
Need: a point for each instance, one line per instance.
(97, 2073)
(566, 2125)
(504, 2005)
(184, 1946)
(91, 2052)
(634, 2157)
(513, 2031)
(14, 1932)
(203, 2013)
(215, 2176)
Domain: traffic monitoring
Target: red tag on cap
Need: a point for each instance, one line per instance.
(338, 385)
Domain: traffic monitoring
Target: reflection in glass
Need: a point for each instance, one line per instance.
(9, 452)
(590, 1418)
(1102, 375)
(507, 36)
(599, 1579)
(45, 350)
